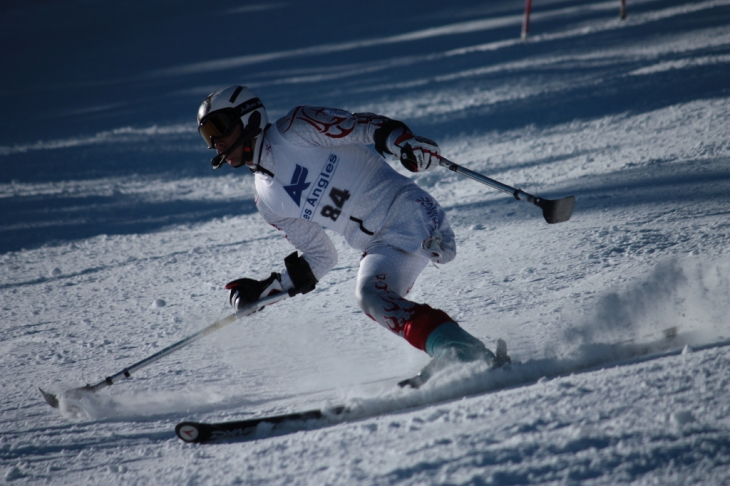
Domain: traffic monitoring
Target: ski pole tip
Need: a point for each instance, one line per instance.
(49, 397)
(557, 210)
(74, 394)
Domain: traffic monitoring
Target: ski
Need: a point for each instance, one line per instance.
(201, 433)
(517, 375)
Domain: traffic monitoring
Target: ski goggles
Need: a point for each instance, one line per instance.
(218, 124)
(221, 123)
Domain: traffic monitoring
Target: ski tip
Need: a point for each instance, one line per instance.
(50, 398)
(189, 432)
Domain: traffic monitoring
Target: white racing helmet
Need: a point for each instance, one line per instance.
(222, 110)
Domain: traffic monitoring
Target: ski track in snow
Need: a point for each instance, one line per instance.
(116, 239)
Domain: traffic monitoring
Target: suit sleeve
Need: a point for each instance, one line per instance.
(307, 237)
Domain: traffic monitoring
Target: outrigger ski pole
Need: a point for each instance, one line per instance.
(53, 400)
(553, 210)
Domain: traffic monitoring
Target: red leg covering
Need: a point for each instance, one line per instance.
(422, 322)
(413, 321)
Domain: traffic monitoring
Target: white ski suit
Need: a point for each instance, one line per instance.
(316, 171)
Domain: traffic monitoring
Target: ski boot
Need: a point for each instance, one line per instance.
(449, 344)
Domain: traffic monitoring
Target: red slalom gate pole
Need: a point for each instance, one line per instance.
(526, 20)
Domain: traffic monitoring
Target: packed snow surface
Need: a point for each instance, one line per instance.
(116, 239)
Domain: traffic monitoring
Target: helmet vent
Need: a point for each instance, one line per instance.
(235, 94)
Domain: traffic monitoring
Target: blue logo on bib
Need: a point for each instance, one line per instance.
(298, 184)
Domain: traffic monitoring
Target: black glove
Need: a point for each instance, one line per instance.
(246, 290)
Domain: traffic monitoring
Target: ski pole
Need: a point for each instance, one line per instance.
(126, 372)
(553, 210)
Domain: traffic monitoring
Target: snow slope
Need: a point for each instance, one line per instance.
(116, 239)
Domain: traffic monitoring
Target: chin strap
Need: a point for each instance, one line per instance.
(257, 167)
(219, 159)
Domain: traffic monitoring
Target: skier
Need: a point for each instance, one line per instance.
(313, 170)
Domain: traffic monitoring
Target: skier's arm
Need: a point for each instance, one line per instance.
(318, 126)
(302, 272)
(318, 252)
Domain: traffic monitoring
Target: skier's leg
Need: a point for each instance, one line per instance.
(385, 277)
(417, 224)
